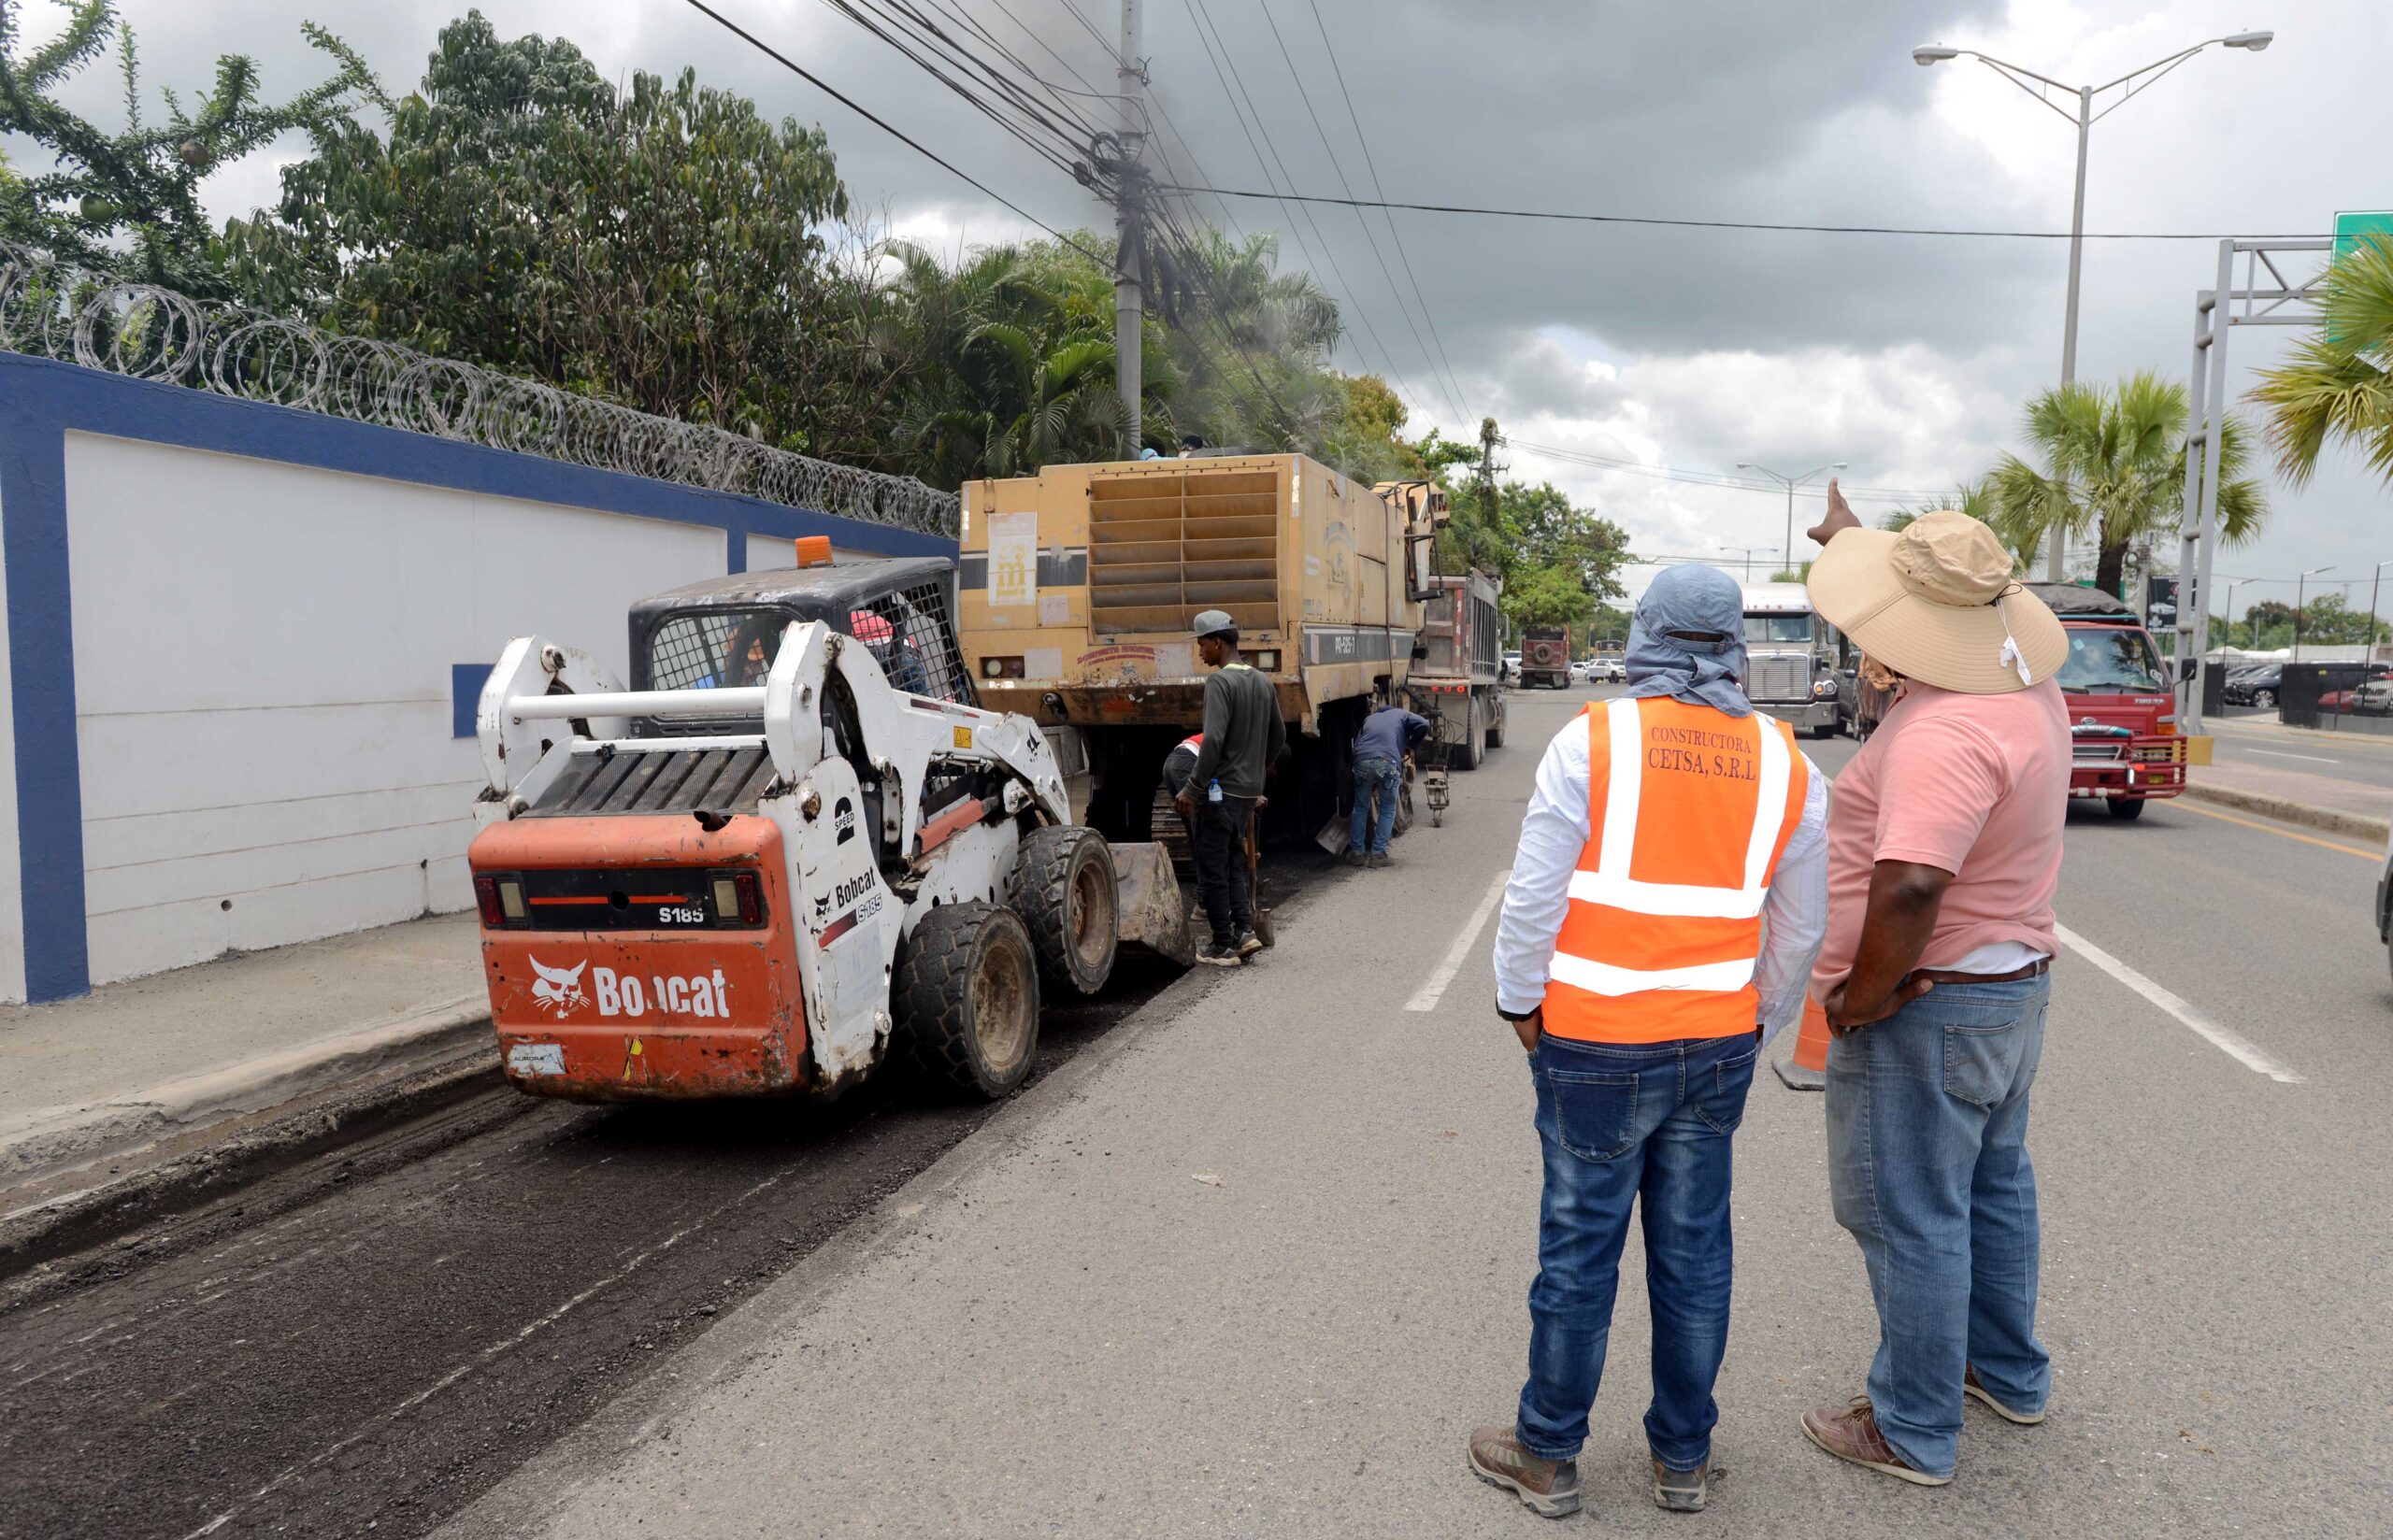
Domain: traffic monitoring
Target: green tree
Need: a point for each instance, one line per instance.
(2339, 383)
(129, 198)
(661, 245)
(2114, 467)
(1007, 363)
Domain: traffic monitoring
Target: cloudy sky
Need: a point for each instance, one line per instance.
(1685, 352)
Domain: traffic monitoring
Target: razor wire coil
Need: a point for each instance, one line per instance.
(145, 331)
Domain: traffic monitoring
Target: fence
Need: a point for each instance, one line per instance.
(147, 331)
(2351, 697)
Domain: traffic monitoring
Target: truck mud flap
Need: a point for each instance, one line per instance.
(1152, 915)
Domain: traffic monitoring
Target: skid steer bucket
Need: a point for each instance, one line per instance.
(1151, 913)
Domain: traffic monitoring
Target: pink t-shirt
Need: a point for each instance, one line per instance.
(1977, 785)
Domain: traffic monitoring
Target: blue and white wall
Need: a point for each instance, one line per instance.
(236, 639)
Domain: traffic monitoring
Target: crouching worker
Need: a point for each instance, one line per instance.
(1666, 903)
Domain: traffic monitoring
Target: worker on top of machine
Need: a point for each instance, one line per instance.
(1243, 737)
(1387, 735)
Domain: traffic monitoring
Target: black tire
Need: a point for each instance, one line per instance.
(1496, 729)
(2127, 810)
(1465, 755)
(966, 1000)
(1062, 886)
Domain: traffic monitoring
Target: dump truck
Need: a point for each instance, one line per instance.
(2125, 747)
(793, 849)
(1457, 679)
(1545, 657)
(1077, 587)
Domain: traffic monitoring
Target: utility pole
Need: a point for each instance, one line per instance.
(1131, 222)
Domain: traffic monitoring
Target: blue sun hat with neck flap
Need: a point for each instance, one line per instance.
(1687, 639)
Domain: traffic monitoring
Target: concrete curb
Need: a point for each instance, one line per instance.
(2332, 820)
(65, 1137)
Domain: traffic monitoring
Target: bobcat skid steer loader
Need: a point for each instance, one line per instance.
(754, 888)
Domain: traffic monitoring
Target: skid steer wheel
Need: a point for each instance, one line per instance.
(965, 999)
(1062, 887)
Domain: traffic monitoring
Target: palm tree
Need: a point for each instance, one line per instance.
(2340, 382)
(1008, 365)
(2114, 468)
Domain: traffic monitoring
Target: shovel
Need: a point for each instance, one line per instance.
(1253, 884)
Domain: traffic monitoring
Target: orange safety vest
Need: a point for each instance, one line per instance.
(1688, 811)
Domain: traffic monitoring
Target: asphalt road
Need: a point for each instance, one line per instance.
(1257, 1272)
(2344, 756)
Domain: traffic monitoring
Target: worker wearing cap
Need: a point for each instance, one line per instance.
(1243, 738)
(1665, 902)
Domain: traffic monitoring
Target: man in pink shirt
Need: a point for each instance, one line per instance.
(1944, 842)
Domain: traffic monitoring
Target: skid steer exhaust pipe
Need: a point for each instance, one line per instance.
(1151, 913)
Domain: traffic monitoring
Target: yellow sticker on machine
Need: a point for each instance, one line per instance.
(962, 737)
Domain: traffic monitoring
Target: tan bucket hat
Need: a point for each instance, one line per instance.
(1938, 604)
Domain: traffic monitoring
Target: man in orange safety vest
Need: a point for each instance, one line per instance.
(1665, 905)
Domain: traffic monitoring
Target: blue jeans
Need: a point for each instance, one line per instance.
(1388, 778)
(1647, 1123)
(1928, 1164)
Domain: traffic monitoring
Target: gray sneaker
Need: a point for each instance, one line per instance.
(1247, 945)
(1547, 1487)
(1219, 954)
(1357, 857)
(1379, 858)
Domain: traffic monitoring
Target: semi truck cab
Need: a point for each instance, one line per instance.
(1791, 658)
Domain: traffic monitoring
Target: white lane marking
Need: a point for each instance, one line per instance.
(2235, 1045)
(2279, 754)
(1434, 986)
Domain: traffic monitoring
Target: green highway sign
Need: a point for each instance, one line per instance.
(2349, 228)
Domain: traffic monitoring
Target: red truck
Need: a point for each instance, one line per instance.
(1545, 659)
(2123, 719)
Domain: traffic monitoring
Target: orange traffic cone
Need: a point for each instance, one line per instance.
(1806, 1070)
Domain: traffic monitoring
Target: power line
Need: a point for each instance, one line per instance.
(1292, 196)
(1454, 386)
(1364, 226)
(892, 130)
(1338, 273)
(1708, 478)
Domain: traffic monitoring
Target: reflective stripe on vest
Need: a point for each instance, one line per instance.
(1690, 812)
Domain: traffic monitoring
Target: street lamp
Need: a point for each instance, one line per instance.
(2298, 586)
(2376, 579)
(2085, 117)
(1747, 552)
(1790, 484)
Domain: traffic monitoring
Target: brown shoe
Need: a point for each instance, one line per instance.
(1970, 1386)
(1548, 1488)
(1684, 1492)
(1850, 1433)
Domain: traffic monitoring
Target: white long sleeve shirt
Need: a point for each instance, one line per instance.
(1555, 834)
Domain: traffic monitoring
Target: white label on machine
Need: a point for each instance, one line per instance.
(1054, 609)
(1175, 660)
(1014, 558)
(535, 1059)
(1042, 663)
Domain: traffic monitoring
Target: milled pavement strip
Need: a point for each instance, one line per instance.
(519, 1504)
(58, 1138)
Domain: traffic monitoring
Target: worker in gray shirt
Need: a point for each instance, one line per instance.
(1243, 739)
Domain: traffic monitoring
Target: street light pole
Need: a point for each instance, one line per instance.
(2085, 117)
(2375, 580)
(1747, 552)
(2299, 584)
(1790, 483)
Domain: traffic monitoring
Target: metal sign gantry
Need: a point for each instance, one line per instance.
(2267, 298)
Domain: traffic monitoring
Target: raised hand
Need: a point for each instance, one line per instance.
(1840, 517)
